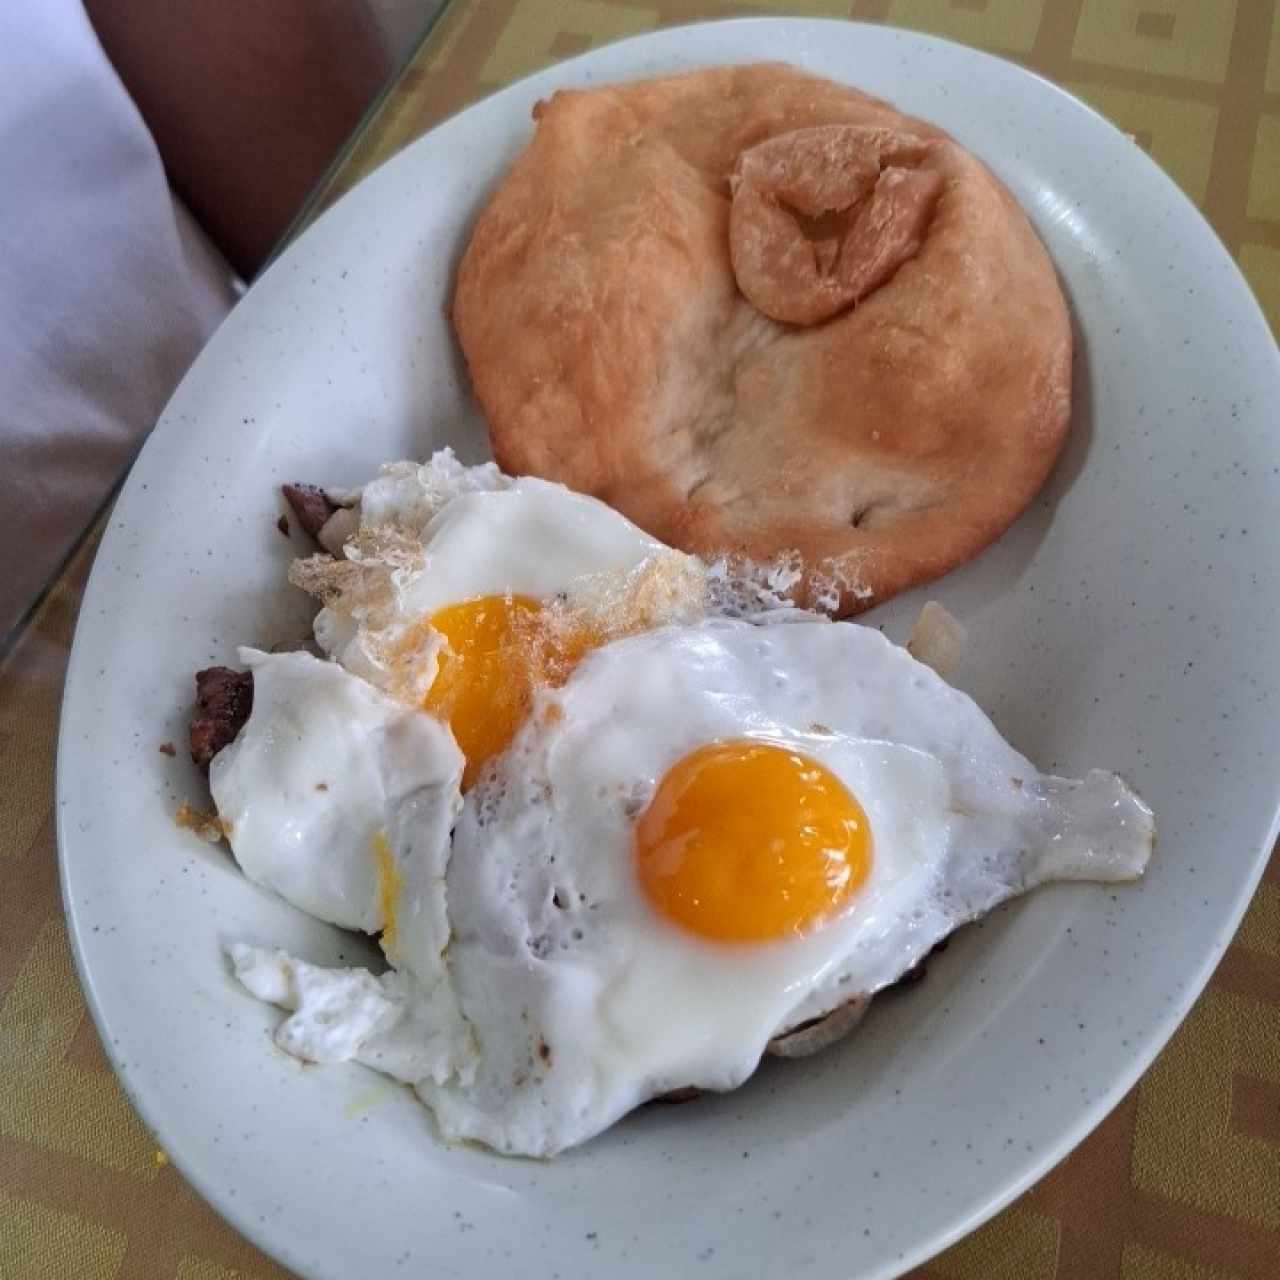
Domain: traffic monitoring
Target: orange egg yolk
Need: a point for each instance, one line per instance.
(744, 841)
(390, 885)
(497, 651)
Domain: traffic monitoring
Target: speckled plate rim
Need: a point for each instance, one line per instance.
(83, 743)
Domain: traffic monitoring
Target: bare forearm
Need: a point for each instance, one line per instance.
(248, 100)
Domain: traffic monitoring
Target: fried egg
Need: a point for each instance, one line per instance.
(708, 835)
(463, 591)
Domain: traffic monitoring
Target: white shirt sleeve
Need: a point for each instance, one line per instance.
(108, 289)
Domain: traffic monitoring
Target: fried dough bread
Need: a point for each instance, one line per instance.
(769, 319)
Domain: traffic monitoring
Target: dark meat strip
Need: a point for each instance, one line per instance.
(310, 504)
(224, 699)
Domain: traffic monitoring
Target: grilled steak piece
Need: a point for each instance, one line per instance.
(224, 699)
(310, 504)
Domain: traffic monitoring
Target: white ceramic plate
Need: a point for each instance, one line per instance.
(1129, 621)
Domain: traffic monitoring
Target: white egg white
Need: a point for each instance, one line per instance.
(325, 769)
(395, 1022)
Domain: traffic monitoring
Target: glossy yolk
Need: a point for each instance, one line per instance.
(498, 650)
(744, 841)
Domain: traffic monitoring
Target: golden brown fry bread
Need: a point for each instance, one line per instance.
(764, 315)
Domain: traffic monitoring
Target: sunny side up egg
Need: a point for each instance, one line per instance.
(709, 835)
(464, 590)
(461, 591)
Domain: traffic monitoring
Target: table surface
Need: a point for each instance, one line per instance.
(1181, 1182)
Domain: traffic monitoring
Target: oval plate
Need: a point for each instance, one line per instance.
(1129, 621)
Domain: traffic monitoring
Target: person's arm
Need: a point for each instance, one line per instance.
(248, 101)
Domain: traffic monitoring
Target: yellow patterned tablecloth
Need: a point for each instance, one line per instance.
(1181, 1182)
